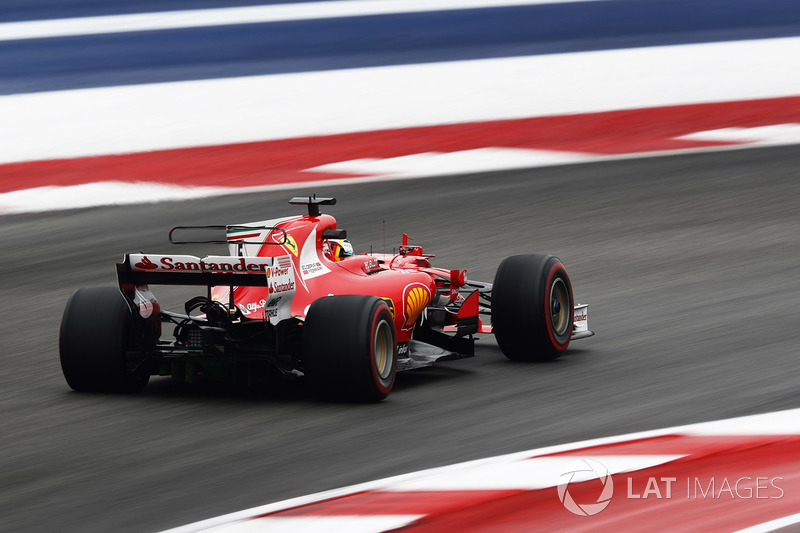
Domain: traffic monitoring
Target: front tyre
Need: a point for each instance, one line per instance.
(532, 307)
(350, 348)
(95, 334)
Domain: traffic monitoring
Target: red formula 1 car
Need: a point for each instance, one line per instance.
(292, 296)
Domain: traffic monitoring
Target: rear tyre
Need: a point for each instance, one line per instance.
(350, 348)
(532, 307)
(95, 333)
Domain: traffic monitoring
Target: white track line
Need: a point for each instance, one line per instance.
(168, 20)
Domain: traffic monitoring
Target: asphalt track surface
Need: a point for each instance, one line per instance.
(691, 265)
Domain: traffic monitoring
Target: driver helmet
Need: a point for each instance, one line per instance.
(340, 248)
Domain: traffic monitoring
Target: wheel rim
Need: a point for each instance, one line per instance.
(559, 307)
(383, 350)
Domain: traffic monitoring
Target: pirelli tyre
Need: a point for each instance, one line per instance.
(95, 334)
(532, 307)
(350, 348)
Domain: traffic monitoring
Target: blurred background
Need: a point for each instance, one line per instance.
(651, 145)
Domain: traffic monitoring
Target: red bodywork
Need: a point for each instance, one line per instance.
(406, 280)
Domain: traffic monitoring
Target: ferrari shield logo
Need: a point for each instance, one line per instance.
(286, 240)
(291, 245)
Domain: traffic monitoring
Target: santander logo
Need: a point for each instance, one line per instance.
(146, 264)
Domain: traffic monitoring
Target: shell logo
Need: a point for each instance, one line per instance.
(416, 299)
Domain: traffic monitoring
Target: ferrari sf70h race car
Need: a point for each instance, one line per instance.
(292, 297)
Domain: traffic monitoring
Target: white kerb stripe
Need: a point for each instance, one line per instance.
(462, 162)
(778, 134)
(103, 193)
(316, 524)
(778, 423)
(530, 474)
(773, 525)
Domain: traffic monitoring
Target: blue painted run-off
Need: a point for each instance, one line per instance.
(217, 52)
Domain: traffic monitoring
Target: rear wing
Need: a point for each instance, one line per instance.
(144, 269)
(137, 272)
